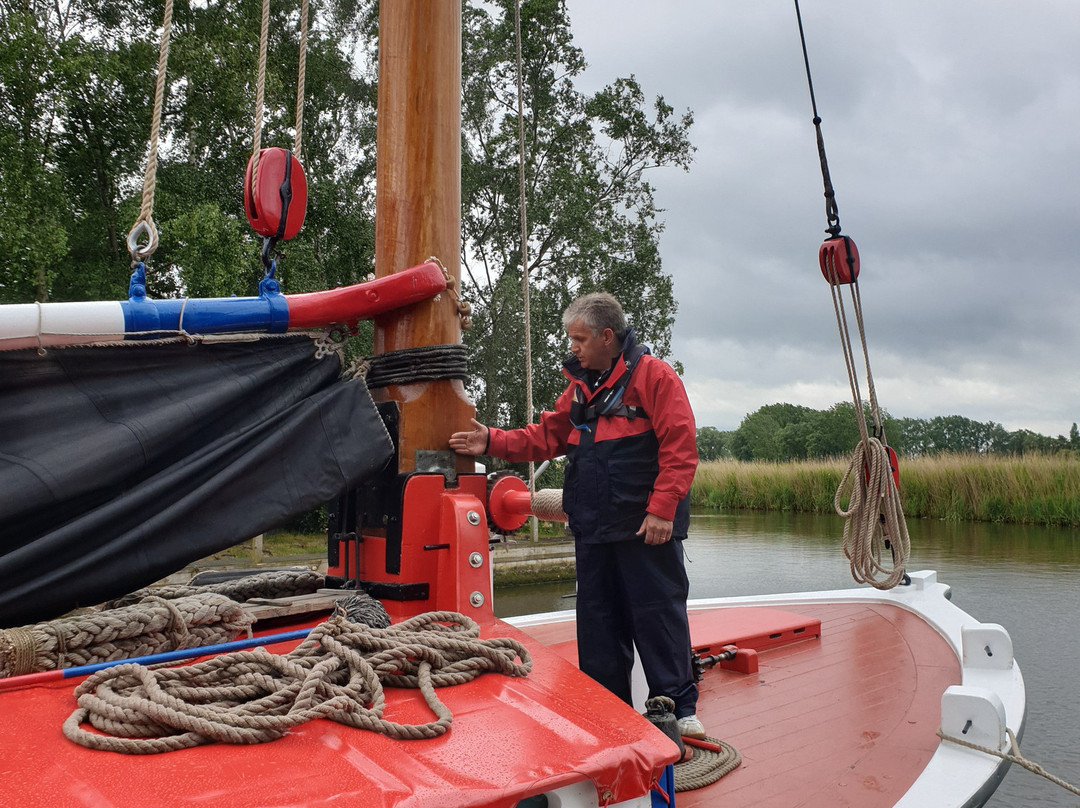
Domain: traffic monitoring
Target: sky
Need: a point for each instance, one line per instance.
(952, 131)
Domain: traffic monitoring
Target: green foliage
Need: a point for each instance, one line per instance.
(781, 432)
(712, 444)
(76, 85)
(592, 219)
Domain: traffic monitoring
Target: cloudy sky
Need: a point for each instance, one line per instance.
(953, 137)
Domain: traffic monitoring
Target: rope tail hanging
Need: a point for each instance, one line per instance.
(874, 520)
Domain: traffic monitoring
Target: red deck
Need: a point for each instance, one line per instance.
(489, 756)
(847, 719)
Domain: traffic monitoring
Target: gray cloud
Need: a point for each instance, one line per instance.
(951, 131)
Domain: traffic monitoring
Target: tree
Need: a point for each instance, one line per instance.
(712, 444)
(592, 219)
(76, 86)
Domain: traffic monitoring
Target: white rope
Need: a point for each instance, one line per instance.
(260, 91)
(260, 85)
(301, 72)
(524, 247)
(144, 225)
(1013, 757)
(874, 519)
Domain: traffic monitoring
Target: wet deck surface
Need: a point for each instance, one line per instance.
(846, 719)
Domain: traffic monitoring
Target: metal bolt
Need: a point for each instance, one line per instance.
(473, 517)
(475, 559)
(476, 599)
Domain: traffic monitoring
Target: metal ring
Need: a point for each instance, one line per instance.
(142, 227)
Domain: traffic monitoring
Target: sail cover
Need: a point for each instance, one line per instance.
(120, 465)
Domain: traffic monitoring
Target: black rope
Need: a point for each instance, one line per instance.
(831, 212)
(411, 365)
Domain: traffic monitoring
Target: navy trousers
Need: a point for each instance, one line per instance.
(634, 594)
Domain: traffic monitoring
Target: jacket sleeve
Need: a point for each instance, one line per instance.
(541, 441)
(664, 399)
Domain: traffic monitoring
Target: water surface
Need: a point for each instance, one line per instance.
(1025, 578)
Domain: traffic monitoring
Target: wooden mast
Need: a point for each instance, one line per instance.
(418, 208)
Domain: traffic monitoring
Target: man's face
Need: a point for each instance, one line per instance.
(593, 351)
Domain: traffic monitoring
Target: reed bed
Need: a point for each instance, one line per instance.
(1032, 489)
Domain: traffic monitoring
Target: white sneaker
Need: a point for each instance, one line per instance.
(691, 727)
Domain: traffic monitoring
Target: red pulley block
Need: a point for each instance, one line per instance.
(276, 204)
(839, 260)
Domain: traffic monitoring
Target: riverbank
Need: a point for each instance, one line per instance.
(515, 562)
(1032, 489)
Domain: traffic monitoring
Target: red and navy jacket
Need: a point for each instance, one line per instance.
(631, 441)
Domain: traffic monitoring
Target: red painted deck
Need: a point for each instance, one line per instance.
(847, 719)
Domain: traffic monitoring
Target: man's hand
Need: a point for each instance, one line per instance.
(471, 443)
(655, 530)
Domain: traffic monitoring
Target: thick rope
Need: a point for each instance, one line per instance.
(707, 765)
(546, 505)
(152, 626)
(338, 672)
(144, 224)
(276, 584)
(413, 365)
(874, 526)
(1013, 757)
(301, 75)
(260, 90)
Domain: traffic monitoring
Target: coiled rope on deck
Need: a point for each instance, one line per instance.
(247, 697)
(151, 626)
(712, 760)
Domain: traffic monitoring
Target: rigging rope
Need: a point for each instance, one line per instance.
(874, 519)
(260, 89)
(245, 697)
(1013, 757)
(301, 78)
(144, 224)
(260, 85)
(524, 246)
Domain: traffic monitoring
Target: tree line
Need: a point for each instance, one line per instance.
(76, 92)
(783, 432)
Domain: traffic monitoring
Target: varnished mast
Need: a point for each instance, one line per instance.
(418, 205)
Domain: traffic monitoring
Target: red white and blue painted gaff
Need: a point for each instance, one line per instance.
(40, 325)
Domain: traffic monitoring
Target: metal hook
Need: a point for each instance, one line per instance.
(143, 227)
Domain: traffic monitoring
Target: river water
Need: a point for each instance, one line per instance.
(1025, 578)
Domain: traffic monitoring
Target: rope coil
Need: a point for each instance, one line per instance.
(412, 365)
(338, 672)
(874, 519)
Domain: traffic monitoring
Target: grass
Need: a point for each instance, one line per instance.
(277, 545)
(1032, 489)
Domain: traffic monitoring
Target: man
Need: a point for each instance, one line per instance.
(626, 426)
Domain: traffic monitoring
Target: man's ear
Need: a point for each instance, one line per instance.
(608, 336)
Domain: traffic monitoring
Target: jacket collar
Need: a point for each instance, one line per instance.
(593, 380)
